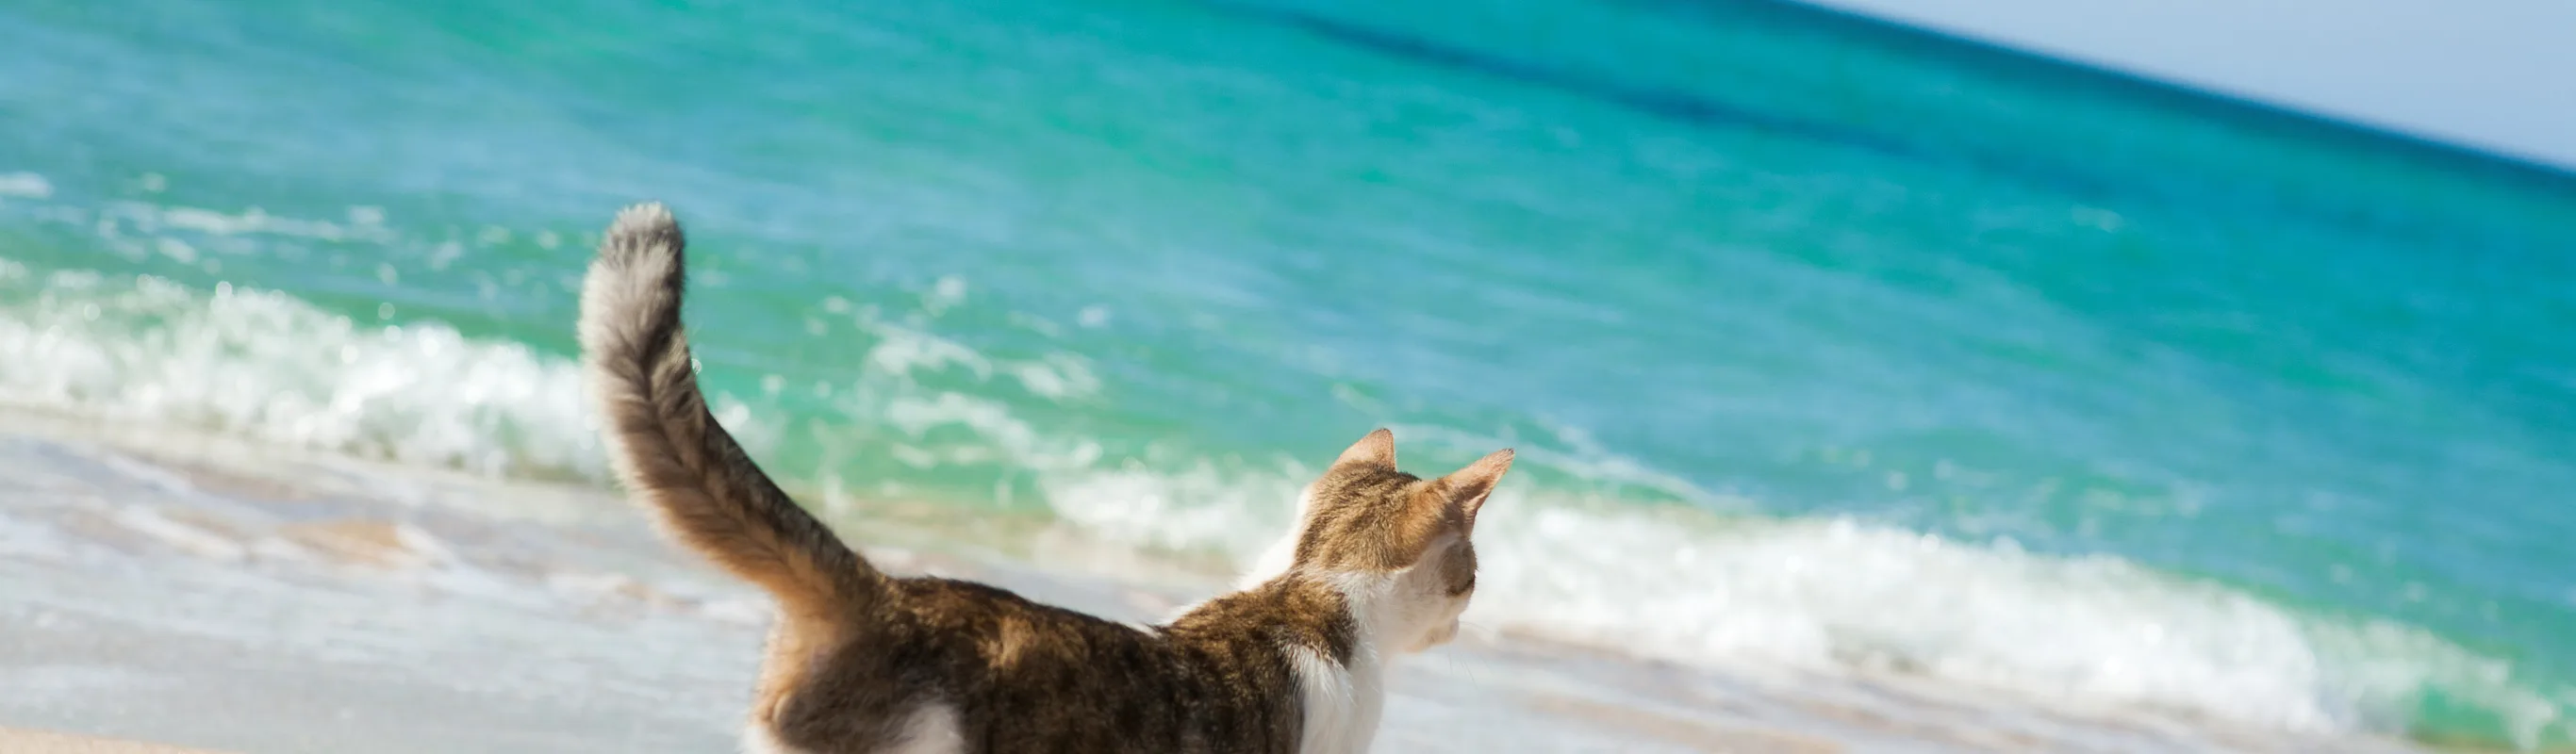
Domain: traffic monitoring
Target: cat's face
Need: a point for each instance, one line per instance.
(1403, 546)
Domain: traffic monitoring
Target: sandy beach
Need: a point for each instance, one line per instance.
(159, 588)
(43, 742)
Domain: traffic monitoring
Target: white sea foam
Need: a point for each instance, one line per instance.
(1842, 594)
(270, 366)
(25, 185)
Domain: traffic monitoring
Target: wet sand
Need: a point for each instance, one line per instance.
(198, 592)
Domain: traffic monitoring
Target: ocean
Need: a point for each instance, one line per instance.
(1825, 345)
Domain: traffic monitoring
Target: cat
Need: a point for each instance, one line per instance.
(1379, 564)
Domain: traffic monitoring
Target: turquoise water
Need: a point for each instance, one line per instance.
(1824, 345)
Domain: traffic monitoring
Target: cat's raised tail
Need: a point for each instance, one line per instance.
(668, 449)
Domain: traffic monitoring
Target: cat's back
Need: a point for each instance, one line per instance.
(1017, 675)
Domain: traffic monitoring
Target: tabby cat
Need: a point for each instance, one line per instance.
(1379, 563)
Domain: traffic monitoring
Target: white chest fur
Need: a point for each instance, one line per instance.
(1342, 703)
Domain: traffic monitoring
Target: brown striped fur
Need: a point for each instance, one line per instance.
(860, 661)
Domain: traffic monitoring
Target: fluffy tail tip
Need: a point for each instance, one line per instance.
(641, 228)
(642, 217)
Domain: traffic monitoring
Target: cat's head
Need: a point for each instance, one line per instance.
(1399, 546)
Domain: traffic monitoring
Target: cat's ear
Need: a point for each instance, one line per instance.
(1465, 490)
(1377, 449)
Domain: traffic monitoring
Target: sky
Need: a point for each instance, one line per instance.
(2493, 75)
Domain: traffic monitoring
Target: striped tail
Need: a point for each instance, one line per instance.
(670, 453)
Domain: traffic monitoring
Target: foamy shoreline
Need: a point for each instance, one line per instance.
(1826, 594)
(211, 594)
